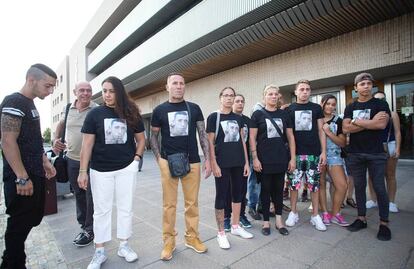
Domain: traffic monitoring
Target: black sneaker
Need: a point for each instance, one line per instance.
(78, 237)
(227, 225)
(244, 222)
(384, 233)
(357, 225)
(85, 239)
(253, 213)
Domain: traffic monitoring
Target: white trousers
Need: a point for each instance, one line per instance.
(103, 186)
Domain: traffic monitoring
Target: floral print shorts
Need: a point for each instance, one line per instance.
(307, 170)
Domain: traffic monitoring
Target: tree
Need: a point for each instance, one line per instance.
(47, 135)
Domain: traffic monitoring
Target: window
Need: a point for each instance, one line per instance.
(61, 97)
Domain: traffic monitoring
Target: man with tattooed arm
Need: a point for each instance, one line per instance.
(25, 166)
(163, 119)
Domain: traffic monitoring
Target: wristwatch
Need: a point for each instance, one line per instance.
(21, 181)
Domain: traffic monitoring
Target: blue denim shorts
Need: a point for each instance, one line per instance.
(334, 160)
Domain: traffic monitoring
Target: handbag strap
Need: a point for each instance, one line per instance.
(389, 131)
(64, 126)
(275, 125)
(189, 125)
(217, 125)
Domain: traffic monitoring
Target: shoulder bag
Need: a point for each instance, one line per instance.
(60, 161)
(179, 163)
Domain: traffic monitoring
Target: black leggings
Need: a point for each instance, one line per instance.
(231, 179)
(228, 210)
(272, 186)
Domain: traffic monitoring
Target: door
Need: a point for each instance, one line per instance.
(404, 100)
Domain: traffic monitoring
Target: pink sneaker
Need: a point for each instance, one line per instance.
(326, 218)
(339, 219)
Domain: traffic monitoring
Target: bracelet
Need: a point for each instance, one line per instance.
(253, 150)
(136, 154)
(82, 170)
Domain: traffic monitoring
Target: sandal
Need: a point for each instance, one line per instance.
(351, 202)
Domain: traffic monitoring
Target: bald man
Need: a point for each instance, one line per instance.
(73, 142)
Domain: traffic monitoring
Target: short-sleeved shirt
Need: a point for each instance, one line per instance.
(74, 124)
(305, 125)
(366, 141)
(272, 150)
(246, 122)
(29, 141)
(115, 144)
(228, 143)
(177, 134)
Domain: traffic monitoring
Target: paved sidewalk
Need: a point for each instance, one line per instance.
(49, 245)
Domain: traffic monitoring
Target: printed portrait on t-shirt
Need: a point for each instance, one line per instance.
(271, 130)
(178, 122)
(245, 132)
(362, 114)
(115, 131)
(231, 130)
(303, 120)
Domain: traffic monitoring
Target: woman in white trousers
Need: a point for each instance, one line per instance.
(113, 144)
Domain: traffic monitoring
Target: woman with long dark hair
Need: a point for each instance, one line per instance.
(335, 163)
(113, 143)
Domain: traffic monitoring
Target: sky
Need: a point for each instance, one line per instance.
(40, 31)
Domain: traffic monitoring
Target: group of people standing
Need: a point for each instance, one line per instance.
(105, 143)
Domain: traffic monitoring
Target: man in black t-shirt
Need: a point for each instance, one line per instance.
(365, 119)
(25, 165)
(310, 142)
(178, 135)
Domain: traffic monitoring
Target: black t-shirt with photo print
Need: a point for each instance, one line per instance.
(115, 145)
(366, 141)
(336, 126)
(172, 118)
(305, 125)
(229, 144)
(271, 148)
(29, 141)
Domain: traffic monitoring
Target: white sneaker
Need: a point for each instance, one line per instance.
(394, 208)
(98, 258)
(371, 204)
(292, 219)
(126, 252)
(318, 223)
(241, 232)
(223, 241)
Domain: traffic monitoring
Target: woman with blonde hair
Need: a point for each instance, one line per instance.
(271, 132)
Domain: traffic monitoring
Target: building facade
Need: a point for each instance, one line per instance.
(249, 44)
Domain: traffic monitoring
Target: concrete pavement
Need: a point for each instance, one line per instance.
(50, 244)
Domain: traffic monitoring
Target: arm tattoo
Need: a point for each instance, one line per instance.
(10, 123)
(154, 143)
(220, 219)
(203, 139)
